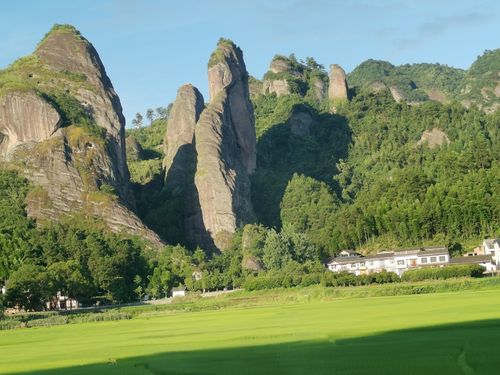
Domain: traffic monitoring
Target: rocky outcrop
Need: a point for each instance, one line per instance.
(377, 86)
(398, 94)
(225, 147)
(318, 88)
(25, 117)
(279, 65)
(179, 149)
(65, 50)
(275, 80)
(229, 75)
(180, 161)
(280, 87)
(337, 89)
(221, 178)
(70, 146)
(433, 138)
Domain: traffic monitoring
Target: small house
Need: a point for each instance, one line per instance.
(492, 247)
(62, 302)
(179, 291)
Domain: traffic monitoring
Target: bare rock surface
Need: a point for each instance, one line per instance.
(76, 168)
(337, 89)
(179, 139)
(280, 87)
(229, 75)
(225, 148)
(65, 50)
(25, 117)
(433, 138)
(398, 94)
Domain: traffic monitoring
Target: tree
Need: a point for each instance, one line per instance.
(308, 206)
(139, 290)
(28, 288)
(277, 250)
(67, 277)
(137, 121)
(162, 112)
(312, 64)
(150, 115)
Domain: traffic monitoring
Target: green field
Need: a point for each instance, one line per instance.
(442, 333)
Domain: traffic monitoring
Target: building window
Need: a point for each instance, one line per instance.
(433, 259)
(401, 262)
(423, 260)
(442, 258)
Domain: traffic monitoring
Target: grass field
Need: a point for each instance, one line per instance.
(442, 333)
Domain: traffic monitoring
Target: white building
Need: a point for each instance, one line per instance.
(483, 260)
(179, 292)
(60, 302)
(492, 247)
(393, 261)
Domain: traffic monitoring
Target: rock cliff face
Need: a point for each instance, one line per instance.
(337, 89)
(225, 146)
(25, 117)
(65, 50)
(280, 87)
(221, 177)
(180, 160)
(228, 74)
(69, 140)
(179, 149)
(220, 142)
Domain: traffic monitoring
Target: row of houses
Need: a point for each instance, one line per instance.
(487, 255)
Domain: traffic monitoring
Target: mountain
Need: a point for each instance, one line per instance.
(62, 127)
(415, 83)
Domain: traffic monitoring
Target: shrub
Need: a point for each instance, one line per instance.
(468, 270)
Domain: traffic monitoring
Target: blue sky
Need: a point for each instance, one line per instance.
(151, 47)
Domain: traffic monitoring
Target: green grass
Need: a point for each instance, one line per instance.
(441, 333)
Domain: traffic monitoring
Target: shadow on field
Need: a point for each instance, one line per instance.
(463, 348)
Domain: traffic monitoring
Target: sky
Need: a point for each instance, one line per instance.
(151, 47)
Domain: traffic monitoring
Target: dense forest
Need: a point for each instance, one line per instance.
(361, 177)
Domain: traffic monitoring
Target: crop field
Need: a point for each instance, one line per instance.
(441, 333)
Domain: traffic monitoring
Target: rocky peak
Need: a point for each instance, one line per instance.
(225, 67)
(180, 157)
(227, 73)
(64, 127)
(210, 151)
(337, 89)
(279, 65)
(64, 49)
(221, 179)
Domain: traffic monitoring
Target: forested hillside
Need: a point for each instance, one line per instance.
(365, 177)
